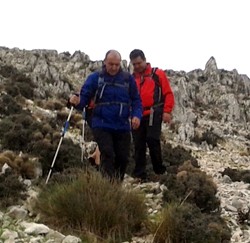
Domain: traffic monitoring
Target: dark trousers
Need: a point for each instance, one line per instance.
(149, 136)
(114, 147)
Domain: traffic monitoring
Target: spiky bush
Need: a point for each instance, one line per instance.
(173, 157)
(4, 160)
(16, 138)
(237, 175)
(8, 105)
(8, 71)
(192, 184)
(90, 202)
(69, 154)
(11, 189)
(23, 133)
(12, 90)
(208, 136)
(62, 115)
(17, 83)
(16, 131)
(9, 154)
(52, 104)
(180, 223)
(19, 164)
(26, 90)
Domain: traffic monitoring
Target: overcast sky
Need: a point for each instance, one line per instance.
(174, 34)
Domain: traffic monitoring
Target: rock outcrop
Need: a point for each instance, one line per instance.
(53, 73)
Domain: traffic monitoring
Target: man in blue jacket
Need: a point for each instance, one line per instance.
(117, 108)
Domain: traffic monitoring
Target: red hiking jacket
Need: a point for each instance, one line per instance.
(146, 88)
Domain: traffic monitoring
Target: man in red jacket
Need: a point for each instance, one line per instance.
(158, 102)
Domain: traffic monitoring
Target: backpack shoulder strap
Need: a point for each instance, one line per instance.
(102, 84)
(158, 97)
(154, 70)
(155, 77)
(126, 76)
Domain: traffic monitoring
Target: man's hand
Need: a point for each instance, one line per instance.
(135, 122)
(166, 117)
(74, 100)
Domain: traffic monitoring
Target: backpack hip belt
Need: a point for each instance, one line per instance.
(153, 106)
(121, 104)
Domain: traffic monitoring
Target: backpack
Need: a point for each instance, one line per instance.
(99, 92)
(102, 85)
(158, 97)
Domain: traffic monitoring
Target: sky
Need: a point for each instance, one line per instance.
(174, 34)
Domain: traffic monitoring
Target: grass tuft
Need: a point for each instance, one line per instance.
(90, 203)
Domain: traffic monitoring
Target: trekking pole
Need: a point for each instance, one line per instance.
(64, 130)
(83, 132)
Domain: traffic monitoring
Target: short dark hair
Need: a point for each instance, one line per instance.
(137, 53)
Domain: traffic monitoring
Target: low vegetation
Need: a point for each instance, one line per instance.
(12, 191)
(192, 185)
(185, 222)
(90, 203)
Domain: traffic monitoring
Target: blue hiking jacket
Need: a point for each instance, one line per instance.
(116, 100)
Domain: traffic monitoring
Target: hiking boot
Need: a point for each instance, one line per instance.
(141, 180)
(161, 170)
(155, 178)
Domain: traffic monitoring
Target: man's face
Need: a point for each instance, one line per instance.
(139, 64)
(113, 63)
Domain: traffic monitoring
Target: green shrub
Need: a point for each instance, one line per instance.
(208, 136)
(17, 131)
(46, 128)
(26, 90)
(69, 154)
(11, 189)
(237, 174)
(12, 90)
(37, 136)
(22, 132)
(185, 223)
(173, 157)
(52, 104)
(26, 120)
(16, 139)
(17, 83)
(62, 116)
(20, 164)
(8, 105)
(7, 71)
(194, 184)
(6, 124)
(91, 203)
